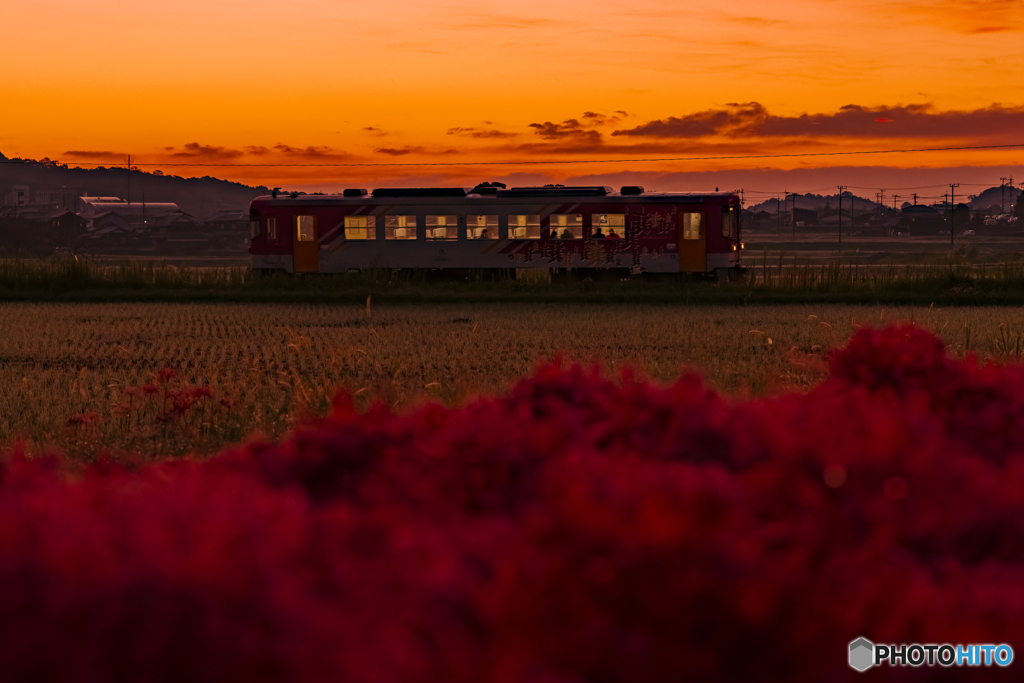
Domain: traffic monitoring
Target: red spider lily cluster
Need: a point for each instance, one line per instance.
(579, 529)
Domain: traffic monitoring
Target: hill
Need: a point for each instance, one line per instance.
(199, 197)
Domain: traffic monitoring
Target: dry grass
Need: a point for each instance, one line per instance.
(271, 364)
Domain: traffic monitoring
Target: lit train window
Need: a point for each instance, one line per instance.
(254, 226)
(271, 228)
(523, 227)
(730, 221)
(400, 227)
(305, 228)
(360, 227)
(608, 225)
(691, 226)
(482, 227)
(567, 226)
(442, 227)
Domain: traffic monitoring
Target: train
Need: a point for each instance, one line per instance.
(490, 228)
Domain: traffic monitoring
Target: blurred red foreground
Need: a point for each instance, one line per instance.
(577, 530)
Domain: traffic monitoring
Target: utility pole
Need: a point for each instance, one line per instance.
(915, 199)
(894, 198)
(794, 215)
(881, 202)
(841, 188)
(1002, 195)
(778, 214)
(952, 211)
(129, 182)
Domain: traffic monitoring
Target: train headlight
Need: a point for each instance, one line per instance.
(734, 247)
(742, 246)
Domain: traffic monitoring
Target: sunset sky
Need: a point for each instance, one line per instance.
(395, 81)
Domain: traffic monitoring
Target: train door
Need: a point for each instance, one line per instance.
(692, 240)
(305, 245)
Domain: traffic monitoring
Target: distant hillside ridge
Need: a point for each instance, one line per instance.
(200, 197)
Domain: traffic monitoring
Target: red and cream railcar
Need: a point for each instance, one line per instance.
(487, 227)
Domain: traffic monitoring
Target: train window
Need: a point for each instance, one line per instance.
(442, 227)
(730, 221)
(305, 228)
(523, 227)
(567, 226)
(254, 227)
(360, 227)
(691, 226)
(482, 227)
(400, 227)
(271, 228)
(611, 225)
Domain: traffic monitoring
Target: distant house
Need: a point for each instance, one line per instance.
(104, 212)
(18, 195)
(65, 221)
(229, 219)
(924, 220)
(805, 216)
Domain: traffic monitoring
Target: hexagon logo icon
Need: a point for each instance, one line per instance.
(862, 654)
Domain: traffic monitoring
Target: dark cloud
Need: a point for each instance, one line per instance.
(481, 133)
(592, 118)
(98, 155)
(399, 151)
(310, 153)
(194, 150)
(731, 120)
(374, 130)
(752, 119)
(568, 129)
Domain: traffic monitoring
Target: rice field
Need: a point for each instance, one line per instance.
(170, 379)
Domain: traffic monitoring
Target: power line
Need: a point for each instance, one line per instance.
(564, 161)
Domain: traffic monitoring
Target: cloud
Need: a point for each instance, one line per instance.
(374, 130)
(320, 153)
(98, 155)
(568, 129)
(194, 150)
(481, 134)
(752, 119)
(970, 17)
(593, 118)
(399, 151)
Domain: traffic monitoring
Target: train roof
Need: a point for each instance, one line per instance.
(431, 195)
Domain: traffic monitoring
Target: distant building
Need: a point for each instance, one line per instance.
(229, 219)
(104, 213)
(18, 195)
(924, 220)
(61, 219)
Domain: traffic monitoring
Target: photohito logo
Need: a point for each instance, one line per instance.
(864, 654)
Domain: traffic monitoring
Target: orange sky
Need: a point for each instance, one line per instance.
(313, 81)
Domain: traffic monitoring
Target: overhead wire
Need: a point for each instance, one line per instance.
(539, 162)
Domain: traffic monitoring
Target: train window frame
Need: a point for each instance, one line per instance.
(360, 228)
(557, 227)
(692, 232)
(523, 226)
(611, 223)
(728, 226)
(254, 229)
(271, 228)
(403, 222)
(482, 226)
(434, 223)
(300, 235)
